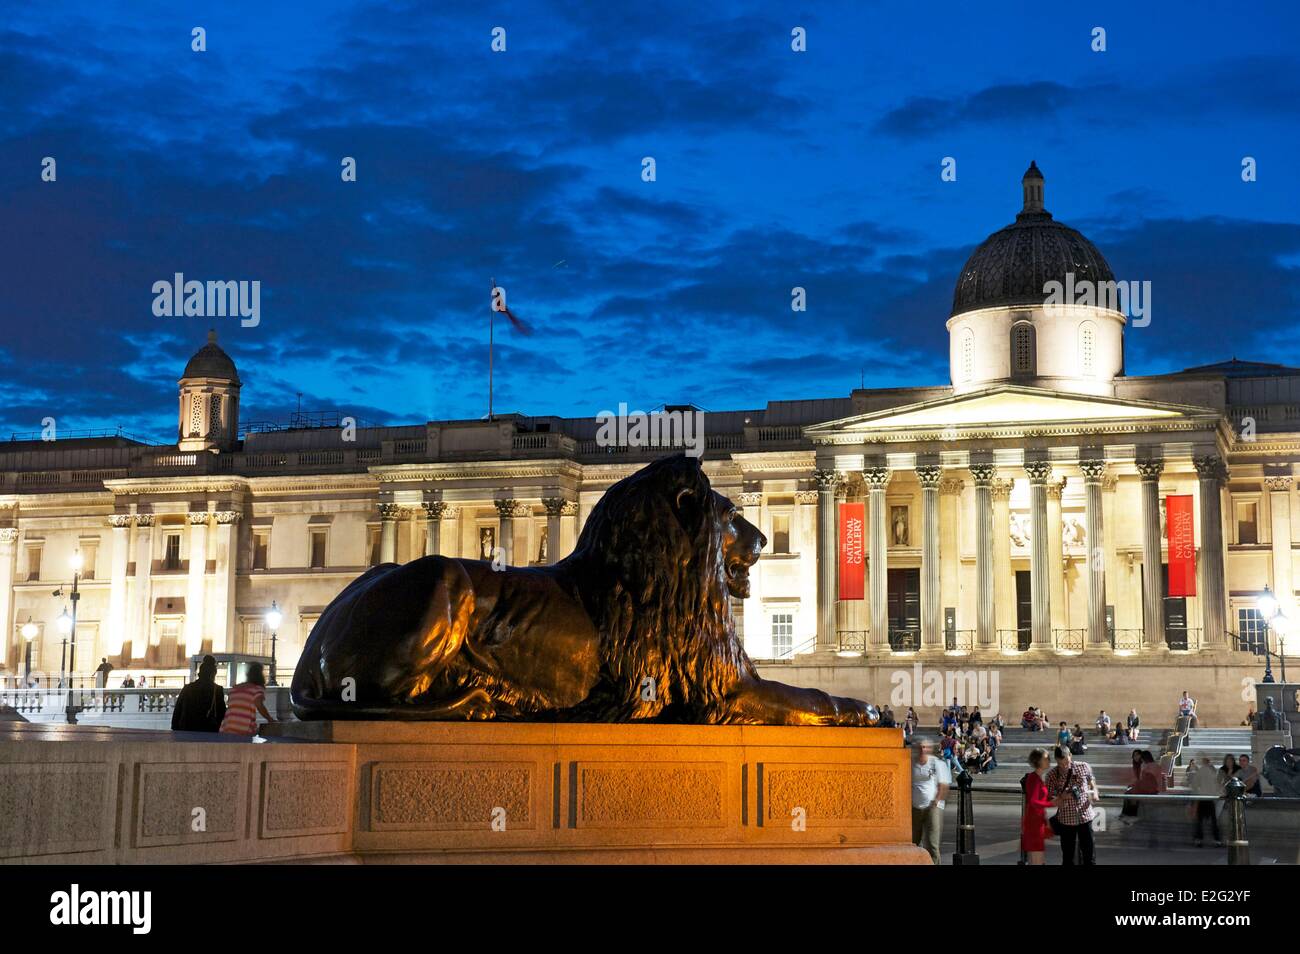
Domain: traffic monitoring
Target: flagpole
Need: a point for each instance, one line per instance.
(491, 325)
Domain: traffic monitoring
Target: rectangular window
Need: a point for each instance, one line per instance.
(1251, 631)
(372, 545)
(780, 533)
(782, 635)
(256, 640)
(318, 549)
(89, 554)
(172, 551)
(261, 546)
(34, 562)
(1247, 522)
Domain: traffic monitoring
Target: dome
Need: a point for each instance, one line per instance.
(211, 362)
(1012, 266)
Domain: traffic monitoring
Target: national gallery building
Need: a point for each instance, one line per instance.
(1014, 519)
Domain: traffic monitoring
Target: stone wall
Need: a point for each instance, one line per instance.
(94, 797)
(1073, 688)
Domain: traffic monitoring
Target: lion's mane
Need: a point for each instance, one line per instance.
(651, 558)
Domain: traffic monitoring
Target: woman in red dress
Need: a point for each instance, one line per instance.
(1033, 820)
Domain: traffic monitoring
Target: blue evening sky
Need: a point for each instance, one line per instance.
(774, 169)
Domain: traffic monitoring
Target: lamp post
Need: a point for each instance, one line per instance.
(273, 619)
(64, 622)
(1277, 622)
(29, 632)
(68, 624)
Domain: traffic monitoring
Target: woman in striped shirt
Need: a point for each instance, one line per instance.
(246, 700)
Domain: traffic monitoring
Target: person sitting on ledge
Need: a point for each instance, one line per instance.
(1029, 720)
(1120, 735)
(1078, 742)
(1063, 736)
(1133, 722)
(887, 718)
(202, 704)
(246, 701)
(1103, 724)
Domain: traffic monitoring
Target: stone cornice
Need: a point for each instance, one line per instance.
(186, 485)
(480, 470)
(980, 432)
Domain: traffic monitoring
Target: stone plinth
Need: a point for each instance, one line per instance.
(568, 793)
(95, 795)
(457, 793)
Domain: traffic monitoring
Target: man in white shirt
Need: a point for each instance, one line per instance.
(1206, 782)
(1187, 710)
(930, 782)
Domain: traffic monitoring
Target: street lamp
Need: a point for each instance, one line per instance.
(69, 629)
(29, 631)
(64, 623)
(1282, 626)
(1276, 621)
(273, 619)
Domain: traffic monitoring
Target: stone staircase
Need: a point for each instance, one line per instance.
(1112, 765)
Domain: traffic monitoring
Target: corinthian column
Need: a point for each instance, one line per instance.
(506, 533)
(877, 479)
(121, 524)
(1279, 507)
(1094, 472)
(143, 613)
(1153, 602)
(197, 581)
(554, 510)
(1214, 602)
(433, 513)
(985, 621)
(1040, 472)
(931, 583)
(8, 560)
(388, 512)
(1004, 581)
(221, 612)
(827, 565)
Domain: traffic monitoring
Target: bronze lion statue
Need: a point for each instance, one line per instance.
(635, 625)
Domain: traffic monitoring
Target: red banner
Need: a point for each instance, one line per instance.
(853, 521)
(1180, 529)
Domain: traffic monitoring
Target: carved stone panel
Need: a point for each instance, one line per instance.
(305, 800)
(652, 795)
(444, 796)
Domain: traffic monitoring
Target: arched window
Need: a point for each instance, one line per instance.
(214, 415)
(1088, 348)
(196, 415)
(1023, 356)
(967, 355)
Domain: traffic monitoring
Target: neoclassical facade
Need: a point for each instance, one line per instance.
(1016, 512)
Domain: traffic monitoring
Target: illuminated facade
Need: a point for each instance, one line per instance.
(1016, 512)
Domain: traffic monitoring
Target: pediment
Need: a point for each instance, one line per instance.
(1014, 407)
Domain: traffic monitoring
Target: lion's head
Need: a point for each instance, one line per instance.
(662, 555)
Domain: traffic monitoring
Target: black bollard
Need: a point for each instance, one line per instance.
(965, 853)
(1238, 845)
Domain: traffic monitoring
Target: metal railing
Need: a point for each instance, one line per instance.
(1126, 640)
(853, 640)
(1183, 638)
(959, 640)
(1069, 640)
(904, 640)
(1014, 640)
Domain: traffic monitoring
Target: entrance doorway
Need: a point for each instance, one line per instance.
(904, 587)
(1024, 610)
